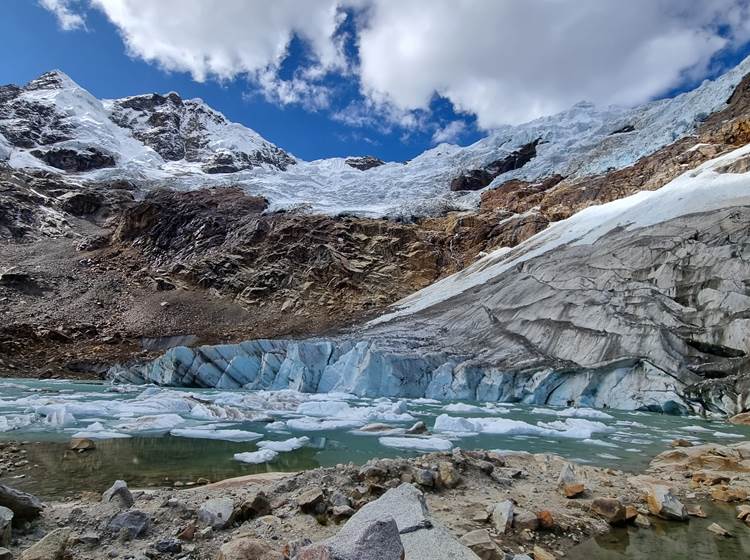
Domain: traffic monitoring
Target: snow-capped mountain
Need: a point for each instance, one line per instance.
(164, 140)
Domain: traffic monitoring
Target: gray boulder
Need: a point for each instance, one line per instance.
(6, 521)
(662, 503)
(375, 540)
(217, 513)
(23, 505)
(132, 523)
(119, 494)
(502, 516)
(51, 547)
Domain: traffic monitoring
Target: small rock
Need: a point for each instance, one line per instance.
(610, 509)
(681, 443)
(187, 533)
(482, 545)
(217, 513)
(696, 511)
(642, 521)
(424, 477)
(312, 501)
(23, 505)
(5, 554)
(524, 519)
(206, 533)
(119, 494)
(370, 473)
(248, 549)
(51, 547)
(342, 512)
(90, 539)
(257, 504)
(728, 494)
(132, 523)
(447, 475)
(567, 475)
(546, 520)
(541, 554)
(743, 513)
(630, 513)
(662, 503)
(502, 516)
(82, 444)
(718, 530)
(741, 418)
(168, 546)
(574, 490)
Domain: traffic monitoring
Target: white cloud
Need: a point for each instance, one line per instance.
(66, 16)
(449, 133)
(505, 61)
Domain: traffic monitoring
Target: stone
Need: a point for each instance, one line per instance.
(546, 519)
(436, 544)
(630, 513)
(642, 521)
(447, 475)
(6, 525)
(133, 523)
(696, 511)
(119, 494)
(217, 513)
(709, 478)
(372, 473)
(743, 418)
(187, 533)
(312, 501)
(256, 504)
(524, 519)
(81, 444)
(342, 512)
(482, 545)
(502, 516)
(5, 554)
(51, 547)
(246, 548)
(418, 428)
(610, 509)
(375, 540)
(728, 494)
(542, 554)
(406, 504)
(681, 443)
(567, 475)
(574, 490)
(23, 505)
(168, 546)
(718, 530)
(424, 477)
(90, 539)
(662, 503)
(743, 512)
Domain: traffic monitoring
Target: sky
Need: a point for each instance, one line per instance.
(391, 78)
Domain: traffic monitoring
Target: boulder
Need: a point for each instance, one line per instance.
(256, 504)
(51, 547)
(662, 503)
(24, 506)
(375, 540)
(542, 554)
(217, 513)
(743, 513)
(642, 521)
(131, 524)
(246, 548)
(575, 490)
(743, 418)
(728, 493)
(696, 511)
(610, 509)
(546, 519)
(6, 526)
(82, 444)
(502, 516)
(312, 501)
(718, 530)
(524, 519)
(5, 554)
(681, 443)
(567, 475)
(119, 494)
(481, 543)
(424, 477)
(436, 544)
(447, 474)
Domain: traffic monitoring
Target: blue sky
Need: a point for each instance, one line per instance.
(32, 41)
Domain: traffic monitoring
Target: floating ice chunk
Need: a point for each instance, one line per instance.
(16, 421)
(158, 423)
(276, 426)
(608, 456)
(226, 435)
(726, 435)
(572, 427)
(419, 444)
(318, 424)
(600, 443)
(463, 407)
(256, 457)
(98, 431)
(324, 409)
(694, 429)
(574, 412)
(423, 400)
(445, 423)
(576, 428)
(284, 446)
(59, 417)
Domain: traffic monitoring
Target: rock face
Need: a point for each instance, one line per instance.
(6, 521)
(479, 178)
(51, 547)
(364, 163)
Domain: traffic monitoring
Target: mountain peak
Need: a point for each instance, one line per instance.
(54, 79)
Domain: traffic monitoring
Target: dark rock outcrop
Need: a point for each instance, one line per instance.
(75, 160)
(364, 163)
(476, 179)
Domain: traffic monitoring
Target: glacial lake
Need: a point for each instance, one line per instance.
(152, 436)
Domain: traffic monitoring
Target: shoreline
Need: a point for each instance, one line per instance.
(462, 491)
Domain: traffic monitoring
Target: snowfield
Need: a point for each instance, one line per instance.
(578, 142)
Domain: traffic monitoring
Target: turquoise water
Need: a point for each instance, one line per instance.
(48, 413)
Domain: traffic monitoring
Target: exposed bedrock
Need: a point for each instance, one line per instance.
(655, 317)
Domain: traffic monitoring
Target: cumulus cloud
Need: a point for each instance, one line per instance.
(451, 132)
(67, 17)
(505, 61)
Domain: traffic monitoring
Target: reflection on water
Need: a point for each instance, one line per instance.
(672, 541)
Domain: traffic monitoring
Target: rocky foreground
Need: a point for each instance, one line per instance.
(461, 505)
